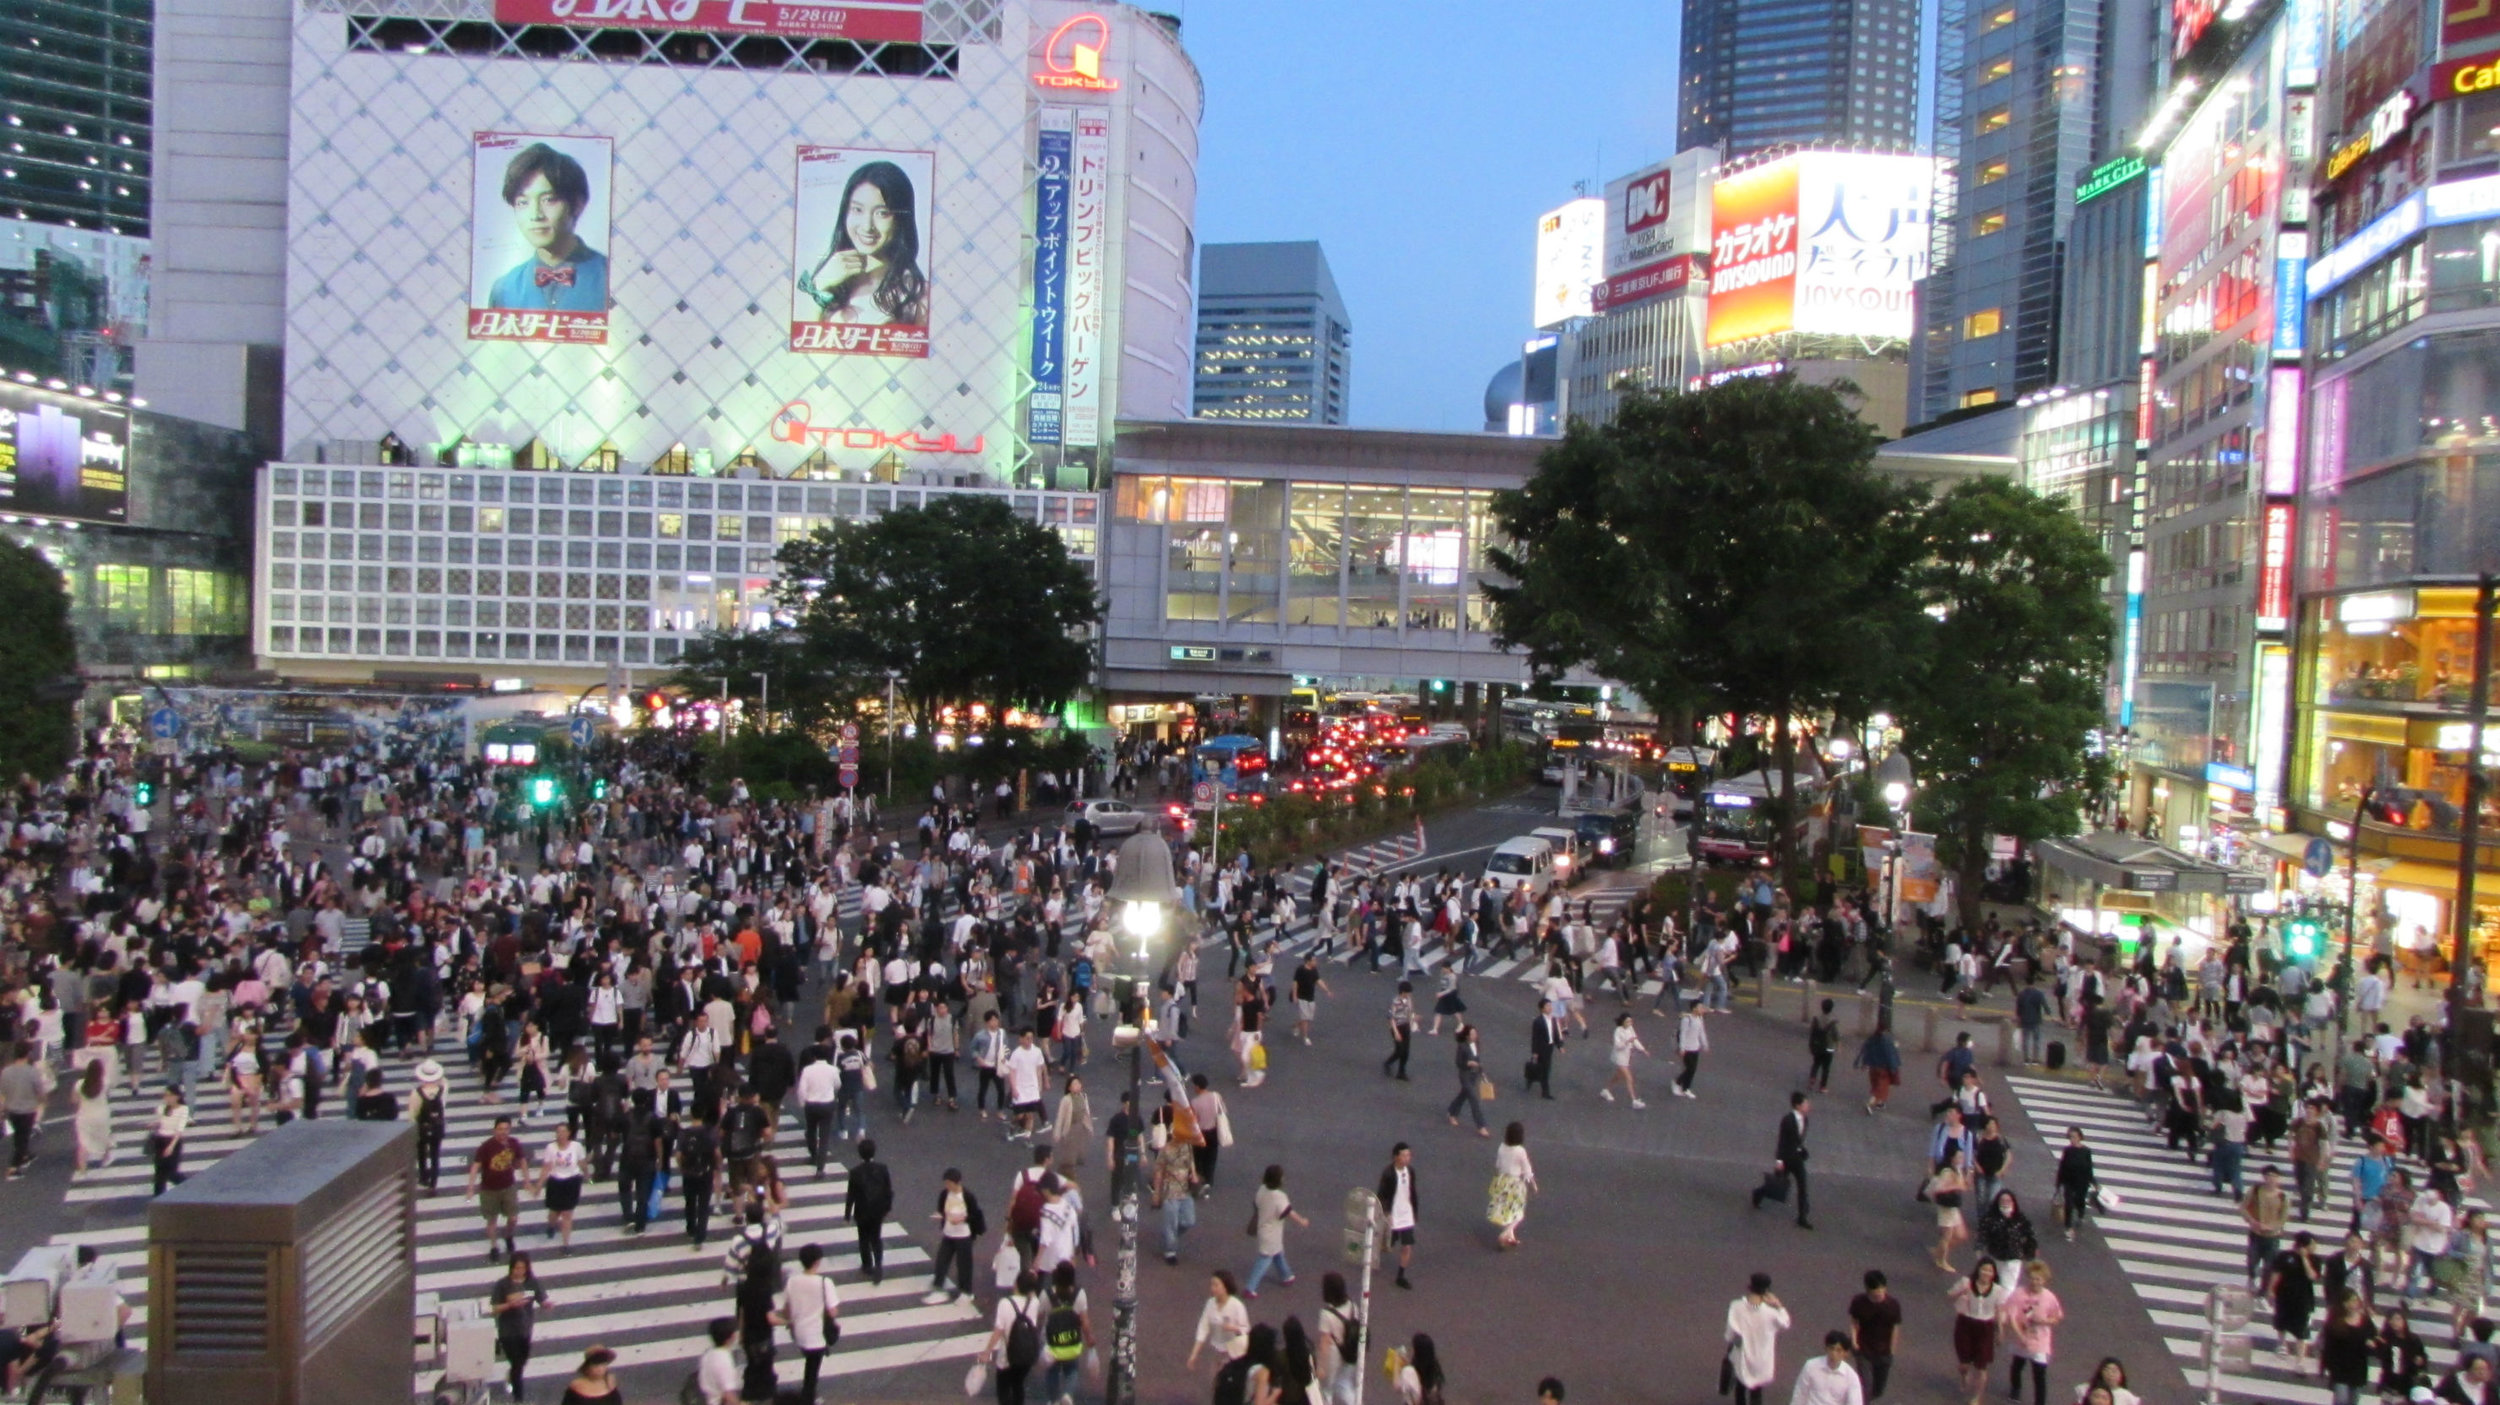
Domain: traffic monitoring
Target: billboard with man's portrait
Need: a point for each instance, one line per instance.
(538, 232)
(859, 255)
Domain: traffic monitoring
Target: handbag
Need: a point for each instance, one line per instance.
(868, 1077)
(1258, 1058)
(1485, 1091)
(976, 1376)
(1223, 1127)
(1727, 1370)
(1252, 1229)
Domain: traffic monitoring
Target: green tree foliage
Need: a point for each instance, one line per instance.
(2006, 679)
(965, 601)
(38, 730)
(1729, 550)
(812, 684)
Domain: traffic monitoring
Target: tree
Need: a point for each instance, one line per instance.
(811, 683)
(38, 666)
(2006, 684)
(962, 600)
(1729, 549)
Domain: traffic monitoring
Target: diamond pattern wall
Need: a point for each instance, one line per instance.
(699, 253)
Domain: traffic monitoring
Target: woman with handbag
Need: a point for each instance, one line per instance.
(1473, 1086)
(1627, 1042)
(1071, 1126)
(1944, 1191)
(1514, 1179)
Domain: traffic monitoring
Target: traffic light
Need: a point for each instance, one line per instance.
(1440, 685)
(543, 792)
(654, 700)
(143, 794)
(599, 788)
(2303, 938)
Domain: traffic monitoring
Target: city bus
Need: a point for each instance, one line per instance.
(1238, 761)
(1733, 822)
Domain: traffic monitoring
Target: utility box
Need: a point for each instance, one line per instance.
(286, 1274)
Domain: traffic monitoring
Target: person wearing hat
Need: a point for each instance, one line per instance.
(426, 1109)
(593, 1381)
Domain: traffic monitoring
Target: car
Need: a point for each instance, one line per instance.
(1607, 837)
(1526, 862)
(1110, 818)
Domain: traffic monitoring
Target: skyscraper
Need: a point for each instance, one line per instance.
(1764, 73)
(1274, 342)
(76, 113)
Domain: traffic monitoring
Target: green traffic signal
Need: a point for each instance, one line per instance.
(143, 794)
(2303, 939)
(543, 791)
(599, 789)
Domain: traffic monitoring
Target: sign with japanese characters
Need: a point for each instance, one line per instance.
(1820, 242)
(1089, 253)
(1048, 362)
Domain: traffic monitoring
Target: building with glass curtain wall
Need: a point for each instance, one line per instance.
(1275, 345)
(1832, 73)
(76, 113)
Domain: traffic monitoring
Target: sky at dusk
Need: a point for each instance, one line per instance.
(1418, 142)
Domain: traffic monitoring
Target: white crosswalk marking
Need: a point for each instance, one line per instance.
(2174, 1238)
(648, 1297)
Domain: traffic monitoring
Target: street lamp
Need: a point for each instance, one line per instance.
(1142, 891)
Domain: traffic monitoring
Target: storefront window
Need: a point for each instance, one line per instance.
(1317, 543)
(1481, 538)
(1432, 554)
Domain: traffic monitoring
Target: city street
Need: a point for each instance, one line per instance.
(1639, 1237)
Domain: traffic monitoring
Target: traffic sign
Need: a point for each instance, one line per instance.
(850, 734)
(850, 777)
(847, 754)
(580, 731)
(2318, 858)
(165, 724)
(1202, 795)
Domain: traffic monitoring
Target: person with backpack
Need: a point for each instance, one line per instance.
(758, 1297)
(866, 1201)
(1015, 1343)
(1067, 1333)
(1340, 1341)
(1025, 1204)
(744, 1131)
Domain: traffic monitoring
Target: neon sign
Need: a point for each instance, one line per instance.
(1068, 61)
(793, 425)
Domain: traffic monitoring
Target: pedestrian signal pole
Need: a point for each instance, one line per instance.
(1362, 1245)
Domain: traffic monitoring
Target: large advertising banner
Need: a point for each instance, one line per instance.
(1753, 254)
(538, 238)
(1570, 260)
(63, 457)
(1862, 227)
(1638, 207)
(874, 21)
(859, 252)
(1052, 156)
(1089, 256)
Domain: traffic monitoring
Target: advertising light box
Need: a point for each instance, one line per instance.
(1570, 259)
(1821, 243)
(62, 456)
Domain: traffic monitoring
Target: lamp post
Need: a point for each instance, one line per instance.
(1143, 895)
(1894, 775)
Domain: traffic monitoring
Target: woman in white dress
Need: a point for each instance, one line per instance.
(1514, 1178)
(93, 1121)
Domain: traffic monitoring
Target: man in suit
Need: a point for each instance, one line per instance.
(1790, 1158)
(866, 1201)
(1543, 1039)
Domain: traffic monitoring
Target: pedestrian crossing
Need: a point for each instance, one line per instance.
(2174, 1238)
(647, 1297)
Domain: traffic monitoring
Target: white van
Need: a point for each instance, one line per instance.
(1566, 844)
(1525, 863)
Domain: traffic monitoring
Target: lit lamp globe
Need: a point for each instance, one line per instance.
(1895, 793)
(1142, 889)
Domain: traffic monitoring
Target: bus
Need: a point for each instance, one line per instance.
(1733, 823)
(1688, 770)
(1238, 761)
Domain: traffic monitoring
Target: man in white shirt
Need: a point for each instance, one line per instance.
(1024, 1085)
(819, 1088)
(716, 1374)
(2426, 1234)
(1829, 1379)
(811, 1304)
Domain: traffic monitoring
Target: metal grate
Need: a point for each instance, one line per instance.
(222, 1301)
(352, 1259)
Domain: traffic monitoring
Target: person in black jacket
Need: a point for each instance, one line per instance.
(1544, 1037)
(1790, 1158)
(960, 1227)
(2075, 1181)
(1400, 1205)
(866, 1201)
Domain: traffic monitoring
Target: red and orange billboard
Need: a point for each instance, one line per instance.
(1753, 253)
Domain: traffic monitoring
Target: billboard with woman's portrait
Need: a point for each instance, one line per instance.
(538, 238)
(860, 252)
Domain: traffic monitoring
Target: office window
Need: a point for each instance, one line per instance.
(122, 593)
(1971, 399)
(2001, 18)
(1991, 172)
(1985, 323)
(1996, 121)
(1992, 222)
(2002, 68)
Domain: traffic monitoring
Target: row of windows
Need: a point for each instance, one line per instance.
(638, 490)
(169, 600)
(463, 644)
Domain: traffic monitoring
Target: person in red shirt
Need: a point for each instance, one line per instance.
(750, 945)
(494, 1177)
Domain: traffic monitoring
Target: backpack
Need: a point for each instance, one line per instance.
(746, 1132)
(1064, 1332)
(1349, 1333)
(1024, 1213)
(696, 1157)
(1024, 1343)
(1232, 1383)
